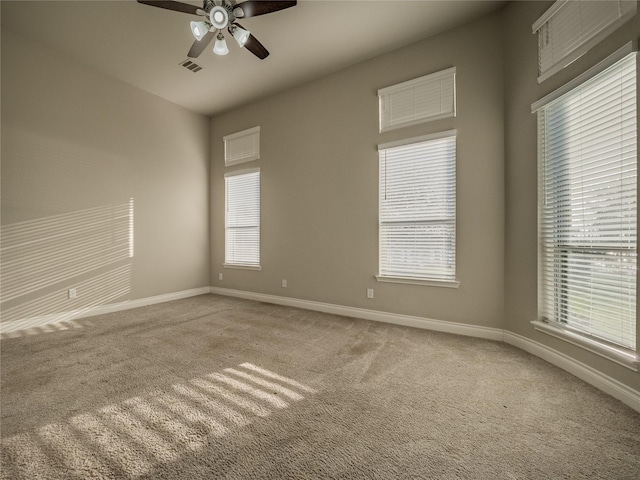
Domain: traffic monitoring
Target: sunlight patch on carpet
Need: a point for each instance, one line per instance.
(254, 391)
(264, 383)
(131, 438)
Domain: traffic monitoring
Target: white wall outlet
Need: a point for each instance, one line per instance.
(219, 276)
(284, 283)
(73, 293)
(369, 292)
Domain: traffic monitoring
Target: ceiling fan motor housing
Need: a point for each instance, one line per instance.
(219, 17)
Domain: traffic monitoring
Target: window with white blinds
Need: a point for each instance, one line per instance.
(242, 219)
(417, 218)
(587, 149)
(419, 100)
(242, 146)
(570, 28)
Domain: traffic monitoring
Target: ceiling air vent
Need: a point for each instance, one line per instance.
(189, 65)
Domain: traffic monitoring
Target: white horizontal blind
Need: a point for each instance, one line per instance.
(418, 210)
(242, 146)
(417, 101)
(570, 28)
(588, 207)
(242, 219)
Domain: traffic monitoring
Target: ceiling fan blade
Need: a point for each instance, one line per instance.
(171, 5)
(253, 8)
(199, 45)
(255, 47)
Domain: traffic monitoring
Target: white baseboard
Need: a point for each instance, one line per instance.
(586, 373)
(395, 318)
(23, 324)
(603, 382)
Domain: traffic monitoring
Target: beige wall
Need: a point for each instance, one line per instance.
(319, 169)
(521, 90)
(88, 165)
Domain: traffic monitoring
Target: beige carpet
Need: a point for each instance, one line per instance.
(214, 387)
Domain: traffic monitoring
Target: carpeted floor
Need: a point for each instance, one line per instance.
(214, 387)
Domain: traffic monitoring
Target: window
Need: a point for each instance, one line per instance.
(417, 219)
(570, 28)
(417, 101)
(242, 219)
(587, 149)
(242, 146)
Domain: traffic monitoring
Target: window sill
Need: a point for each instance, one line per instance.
(417, 281)
(242, 267)
(618, 355)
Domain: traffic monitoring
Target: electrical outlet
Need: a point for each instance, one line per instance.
(219, 276)
(284, 283)
(73, 293)
(369, 292)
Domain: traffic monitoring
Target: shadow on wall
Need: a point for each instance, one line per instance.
(54, 269)
(131, 438)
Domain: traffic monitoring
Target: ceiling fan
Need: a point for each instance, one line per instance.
(220, 14)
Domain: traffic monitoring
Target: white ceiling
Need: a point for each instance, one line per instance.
(143, 45)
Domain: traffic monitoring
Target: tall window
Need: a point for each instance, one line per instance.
(242, 219)
(417, 219)
(588, 207)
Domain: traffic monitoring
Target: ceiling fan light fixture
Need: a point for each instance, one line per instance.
(199, 30)
(220, 47)
(240, 34)
(219, 17)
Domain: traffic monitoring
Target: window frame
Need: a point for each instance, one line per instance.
(409, 279)
(229, 262)
(254, 135)
(626, 357)
(552, 23)
(438, 88)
